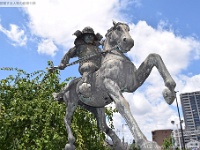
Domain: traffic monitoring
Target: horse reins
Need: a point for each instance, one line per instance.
(86, 58)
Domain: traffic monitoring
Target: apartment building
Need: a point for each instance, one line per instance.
(191, 111)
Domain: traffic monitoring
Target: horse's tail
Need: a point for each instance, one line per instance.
(59, 96)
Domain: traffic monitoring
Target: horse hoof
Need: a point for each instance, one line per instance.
(168, 96)
(150, 146)
(69, 147)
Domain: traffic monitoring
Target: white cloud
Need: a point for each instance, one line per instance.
(15, 34)
(138, 103)
(47, 47)
(59, 20)
(166, 43)
(189, 84)
(176, 51)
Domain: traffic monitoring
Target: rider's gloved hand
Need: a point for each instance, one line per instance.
(61, 67)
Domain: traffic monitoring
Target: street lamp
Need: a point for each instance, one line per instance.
(123, 132)
(179, 138)
(180, 121)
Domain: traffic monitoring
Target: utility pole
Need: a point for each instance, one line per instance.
(180, 123)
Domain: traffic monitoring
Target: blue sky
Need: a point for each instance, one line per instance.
(32, 35)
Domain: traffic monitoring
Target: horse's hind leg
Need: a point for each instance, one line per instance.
(71, 107)
(101, 119)
(124, 109)
(100, 116)
(144, 71)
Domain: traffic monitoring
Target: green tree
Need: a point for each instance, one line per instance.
(134, 146)
(167, 144)
(31, 119)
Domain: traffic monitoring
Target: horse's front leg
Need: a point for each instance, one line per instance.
(145, 69)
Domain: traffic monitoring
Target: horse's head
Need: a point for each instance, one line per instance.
(119, 36)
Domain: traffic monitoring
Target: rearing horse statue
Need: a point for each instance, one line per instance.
(116, 75)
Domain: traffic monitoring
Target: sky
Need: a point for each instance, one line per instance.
(31, 34)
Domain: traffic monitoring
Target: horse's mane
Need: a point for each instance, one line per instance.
(114, 27)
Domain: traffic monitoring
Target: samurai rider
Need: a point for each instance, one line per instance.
(86, 44)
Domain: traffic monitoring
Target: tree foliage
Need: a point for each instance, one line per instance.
(167, 144)
(31, 119)
(134, 146)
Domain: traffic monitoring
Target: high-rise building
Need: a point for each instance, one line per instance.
(191, 111)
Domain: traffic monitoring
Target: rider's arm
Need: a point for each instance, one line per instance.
(65, 60)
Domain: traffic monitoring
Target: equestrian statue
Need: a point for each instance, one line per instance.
(106, 75)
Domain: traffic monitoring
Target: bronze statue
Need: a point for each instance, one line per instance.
(115, 74)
